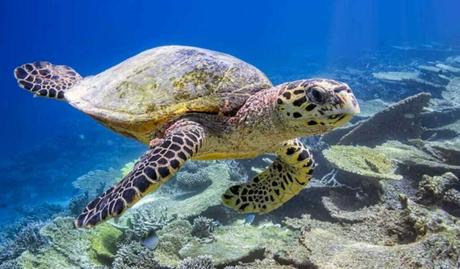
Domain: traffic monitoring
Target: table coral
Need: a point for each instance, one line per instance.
(363, 161)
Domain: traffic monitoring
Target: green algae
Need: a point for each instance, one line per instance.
(199, 79)
(103, 243)
(130, 87)
(73, 248)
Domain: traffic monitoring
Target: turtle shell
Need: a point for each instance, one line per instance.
(141, 94)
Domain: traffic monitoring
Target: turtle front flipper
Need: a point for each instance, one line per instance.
(156, 166)
(46, 79)
(281, 181)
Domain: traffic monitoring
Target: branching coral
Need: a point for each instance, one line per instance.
(195, 177)
(144, 221)
(10, 264)
(237, 172)
(203, 227)
(193, 181)
(135, 256)
(200, 262)
(28, 238)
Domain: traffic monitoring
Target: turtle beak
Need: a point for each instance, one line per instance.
(349, 104)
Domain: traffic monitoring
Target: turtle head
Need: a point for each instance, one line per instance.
(315, 106)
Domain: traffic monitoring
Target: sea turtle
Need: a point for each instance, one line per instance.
(192, 103)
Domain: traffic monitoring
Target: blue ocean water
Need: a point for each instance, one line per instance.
(46, 144)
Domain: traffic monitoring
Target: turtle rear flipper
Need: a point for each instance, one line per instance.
(280, 182)
(46, 79)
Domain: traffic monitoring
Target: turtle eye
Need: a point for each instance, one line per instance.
(316, 95)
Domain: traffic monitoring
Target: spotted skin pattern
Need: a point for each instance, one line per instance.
(155, 167)
(307, 100)
(45, 79)
(281, 181)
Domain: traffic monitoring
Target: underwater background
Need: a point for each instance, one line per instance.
(384, 195)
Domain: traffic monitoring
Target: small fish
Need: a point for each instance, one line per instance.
(151, 242)
(249, 219)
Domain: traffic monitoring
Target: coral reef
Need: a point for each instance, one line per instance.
(172, 239)
(408, 79)
(399, 121)
(193, 181)
(451, 202)
(452, 90)
(440, 190)
(387, 196)
(240, 242)
(33, 213)
(237, 172)
(96, 181)
(371, 107)
(329, 179)
(188, 206)
(65, 250)
(200, 262)
(405, 238)
(203, 227)
(416, 160)
(363, 161)
(103, 243)
(28, 238)
(10, 264)
(144, 222)
(72, 248)
(134, 256)
(78, 203)
(272, 263)
(432, 189)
